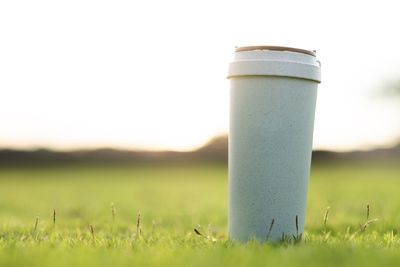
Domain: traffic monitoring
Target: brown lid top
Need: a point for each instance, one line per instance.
(275, 48)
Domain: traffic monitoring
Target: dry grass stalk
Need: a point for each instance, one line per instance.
(113, 212)
(92, 232)
(326, 216)
(138, 228)
(270, 229)
(198, 232)
(36, 224)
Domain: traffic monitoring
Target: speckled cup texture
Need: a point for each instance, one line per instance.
(270, 144)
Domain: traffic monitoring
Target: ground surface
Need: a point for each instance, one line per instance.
(172, 202)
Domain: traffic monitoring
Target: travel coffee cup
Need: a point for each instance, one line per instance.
(272, 104)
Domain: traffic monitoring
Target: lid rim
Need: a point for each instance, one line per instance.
(275, 48)
(275, 68)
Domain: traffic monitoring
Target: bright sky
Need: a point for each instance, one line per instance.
(152, 74)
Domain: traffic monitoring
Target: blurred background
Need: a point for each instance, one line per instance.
(98, 96)
(152, 74)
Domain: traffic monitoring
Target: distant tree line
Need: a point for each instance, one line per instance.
(214, 152)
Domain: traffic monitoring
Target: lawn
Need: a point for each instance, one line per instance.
(96, 218)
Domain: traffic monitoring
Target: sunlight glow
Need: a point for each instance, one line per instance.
(152, 74)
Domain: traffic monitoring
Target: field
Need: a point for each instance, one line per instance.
(96, 218)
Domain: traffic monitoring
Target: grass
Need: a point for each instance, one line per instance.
(146, 216)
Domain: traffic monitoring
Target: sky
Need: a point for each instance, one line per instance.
(152, 74)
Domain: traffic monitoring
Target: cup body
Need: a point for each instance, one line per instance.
(273, 96)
